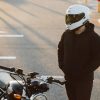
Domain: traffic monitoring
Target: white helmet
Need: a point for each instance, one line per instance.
(76, 16)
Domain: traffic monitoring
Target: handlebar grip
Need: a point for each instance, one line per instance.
(7, 68)
(57, 81)
(51, 79)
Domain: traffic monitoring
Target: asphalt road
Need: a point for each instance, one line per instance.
(29, 34)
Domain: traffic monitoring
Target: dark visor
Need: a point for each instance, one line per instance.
(72, 18)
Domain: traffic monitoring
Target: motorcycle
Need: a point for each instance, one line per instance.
(15, 85)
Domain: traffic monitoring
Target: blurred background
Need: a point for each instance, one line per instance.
(30, 31)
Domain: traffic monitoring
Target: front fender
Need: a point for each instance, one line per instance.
(39, 96)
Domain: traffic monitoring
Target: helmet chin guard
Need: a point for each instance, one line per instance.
(76, 16)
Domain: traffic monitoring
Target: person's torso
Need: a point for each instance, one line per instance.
(77, 53)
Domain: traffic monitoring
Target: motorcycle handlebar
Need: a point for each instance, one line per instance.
(12, 69)
(18, 71)
(50, 80)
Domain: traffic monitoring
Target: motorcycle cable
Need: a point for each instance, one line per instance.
(22, 78)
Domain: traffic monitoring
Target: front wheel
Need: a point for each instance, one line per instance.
(39, 96)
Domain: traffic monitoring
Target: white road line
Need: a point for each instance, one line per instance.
(7, 57)
(3, 32)
(59, 77)
(14, 36)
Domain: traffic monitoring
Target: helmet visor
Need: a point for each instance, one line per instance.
(72, 18)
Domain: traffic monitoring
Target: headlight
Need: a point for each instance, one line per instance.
(39, 97)
(17, 96)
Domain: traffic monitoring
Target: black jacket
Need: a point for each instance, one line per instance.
(79, 55)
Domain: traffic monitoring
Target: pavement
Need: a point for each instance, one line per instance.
(29, 34)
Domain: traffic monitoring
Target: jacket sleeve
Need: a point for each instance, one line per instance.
(61, 53)
(95, 58)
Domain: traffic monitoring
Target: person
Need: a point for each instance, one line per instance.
(79, 52)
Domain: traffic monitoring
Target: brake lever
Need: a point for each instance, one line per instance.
(33, 74)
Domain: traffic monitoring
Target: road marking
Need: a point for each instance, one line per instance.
(12, 36)
(99, 20)
(7, 57)
(59, 77)
(3, 32)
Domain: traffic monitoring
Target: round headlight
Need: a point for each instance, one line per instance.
(17, 96)
(39, 97)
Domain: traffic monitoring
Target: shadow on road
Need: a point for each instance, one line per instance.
(16, 2)
(32, 30)
(46, 8)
